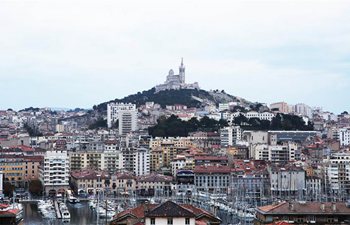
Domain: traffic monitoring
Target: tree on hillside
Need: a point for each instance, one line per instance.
(99, 123)
(173, 126)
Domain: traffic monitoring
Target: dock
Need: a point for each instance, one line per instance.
(58, 211)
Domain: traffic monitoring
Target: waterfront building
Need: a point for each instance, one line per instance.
(184, 181)
(89, 181)
(250, 186)
(287, 182)
(302, 212)
(55, 172)
(123, 182)
(13, 170)
(166, 213)
(212, 179)
(154, 184)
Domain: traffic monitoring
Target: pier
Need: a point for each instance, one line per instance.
(58, 211)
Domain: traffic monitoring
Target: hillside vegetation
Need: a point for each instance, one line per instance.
(189, 97)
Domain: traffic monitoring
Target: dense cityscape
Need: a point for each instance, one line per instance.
(175, 154)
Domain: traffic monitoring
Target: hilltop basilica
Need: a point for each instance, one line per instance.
(176, 81)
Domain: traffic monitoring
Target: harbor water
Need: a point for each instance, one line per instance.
(80, 213)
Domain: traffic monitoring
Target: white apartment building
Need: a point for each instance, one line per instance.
(261, 116)
(287, 182)
(223, 107)
(176, 164)
(251, 114)
(113, 110)
(274, 153)
(303, 110)
(259, 152)
(338, 173)
(127, 120)
(344, 136)
(55, 172)
(141, 162)
(282, 153)
(230, 135)
(313, 188)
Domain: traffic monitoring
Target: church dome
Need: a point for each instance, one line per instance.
(171, 72)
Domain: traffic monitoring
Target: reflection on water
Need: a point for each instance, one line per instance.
(80, 213)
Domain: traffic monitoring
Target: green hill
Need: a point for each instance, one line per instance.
(188, 97)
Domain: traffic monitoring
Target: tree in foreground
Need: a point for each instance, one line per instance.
(36, 187)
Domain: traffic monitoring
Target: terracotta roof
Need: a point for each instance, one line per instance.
(198, 211)
(212, 169)
(154, 177)
(24, 148)
(200, 222)
(170, 209)
(279, 223)
(208, 157)
(138, 212)
(125, 176)
(268, 208)
(88, 174)
(305, 208)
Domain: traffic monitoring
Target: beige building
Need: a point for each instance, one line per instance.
(89, 181)
(107, 160)
(156, 161)
(281, 107)
(153, 184)
(123, 183)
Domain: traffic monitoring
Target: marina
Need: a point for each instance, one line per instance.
(94, 211)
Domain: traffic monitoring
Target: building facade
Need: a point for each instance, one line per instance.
(125, 114)
(55, 172)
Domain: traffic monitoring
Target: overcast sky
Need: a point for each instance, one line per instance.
(81, 53)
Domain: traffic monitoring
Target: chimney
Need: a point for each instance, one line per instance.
(334, 207)
(322, 207)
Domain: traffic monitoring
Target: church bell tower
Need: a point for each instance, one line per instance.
(182, 71)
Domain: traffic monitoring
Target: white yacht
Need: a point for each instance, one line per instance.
(64, 212)
(73, 200)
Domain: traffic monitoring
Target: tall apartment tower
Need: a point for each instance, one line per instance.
(230, 135)
(141, 162)
(126, 114)
(55, 172)
(127, 121)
